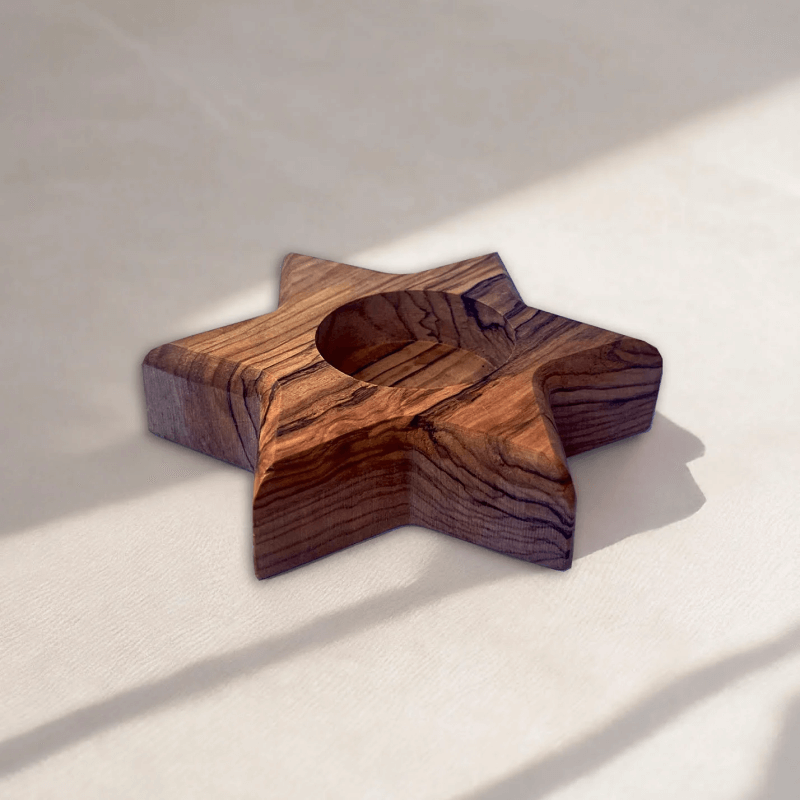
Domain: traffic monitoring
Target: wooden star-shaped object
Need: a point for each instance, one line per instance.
(370, 400)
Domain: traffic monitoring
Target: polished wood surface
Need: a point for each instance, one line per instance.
(370, 400)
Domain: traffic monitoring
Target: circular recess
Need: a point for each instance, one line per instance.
(415, 339)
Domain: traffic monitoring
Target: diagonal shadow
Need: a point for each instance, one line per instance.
(601, 746)
(65, 484)
(340, 127)
(133, 467)
(443, 577)
(781, 781)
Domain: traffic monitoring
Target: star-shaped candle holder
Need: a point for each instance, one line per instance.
(370, 400)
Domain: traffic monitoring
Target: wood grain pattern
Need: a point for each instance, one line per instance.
(369, 400)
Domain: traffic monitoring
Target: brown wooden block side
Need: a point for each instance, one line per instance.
(210, 405)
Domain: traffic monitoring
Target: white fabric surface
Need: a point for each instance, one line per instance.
(636, 167)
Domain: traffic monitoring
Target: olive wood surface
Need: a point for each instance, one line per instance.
(371, 400)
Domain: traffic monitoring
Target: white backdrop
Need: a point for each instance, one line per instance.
(637, 169)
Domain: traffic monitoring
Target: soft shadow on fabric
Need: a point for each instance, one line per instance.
(781, 781)
(635, 485)
(588, 754)
(441, 578)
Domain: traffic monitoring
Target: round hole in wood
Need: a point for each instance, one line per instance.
(415, 339)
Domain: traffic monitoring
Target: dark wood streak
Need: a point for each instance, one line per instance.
(361, 394)
(368, 401)
(234, 417)
(303, 372)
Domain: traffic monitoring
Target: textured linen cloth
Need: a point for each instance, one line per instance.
(637, 167)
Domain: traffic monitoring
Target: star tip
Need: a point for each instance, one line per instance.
(289, 257)
(153, 357)
(495, 256)
(642, 347)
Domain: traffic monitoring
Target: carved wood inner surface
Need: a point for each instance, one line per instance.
(415, 339)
